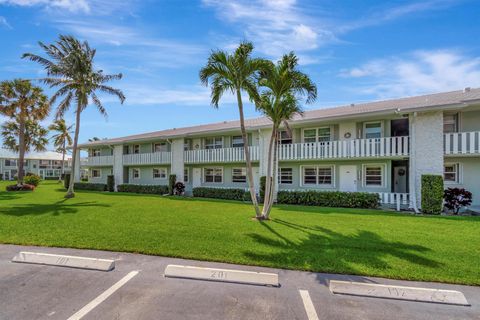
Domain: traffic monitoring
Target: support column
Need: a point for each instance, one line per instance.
(118, 165)
(177, 165)
(77, 166)
(426, 150)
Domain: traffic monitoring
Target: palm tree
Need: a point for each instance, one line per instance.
(235, 73)
(70, 66)
(25, 104)
(61, 140)
(280, 102)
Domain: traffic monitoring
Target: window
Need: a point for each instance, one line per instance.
(10, 162)
(285, 137)
(96, 173)
(318, 175)
(450, 173)
(160, 147)
(213, 175)
(237, 142)
(309, 135)
(372, 130)
(373, 175)
(96, 152)
(185, 175)
(186, 145)
(316, 135)
(136, 173)
(285, 176)
(159, 173)
(239, 175)
(214, 143)
(450, 123)
(136, 148)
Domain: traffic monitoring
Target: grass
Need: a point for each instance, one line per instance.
(351, 241)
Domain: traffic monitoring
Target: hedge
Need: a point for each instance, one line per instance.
(110, 183)
(50, 178)
(220, 193)
(172, 179)
(330, 199)
(432, 194)
(90, 186)
(138, 188)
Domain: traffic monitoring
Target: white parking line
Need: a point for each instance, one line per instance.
(308, 304)
(95, 302)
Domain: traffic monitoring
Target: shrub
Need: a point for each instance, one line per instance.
(32, 179)
(179, 188)
(172, 179)
(138, 188)
(1, 176)
(90, 186)
(66, 181)
(330, 199)
(432, 194)
(24, 187)
(50, 178)
(263, 182)
(219, 193)
(110, 183)
(456, 198)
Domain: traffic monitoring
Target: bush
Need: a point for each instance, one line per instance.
(66, 181)
(179, 188)
(110, 183)
(330, 199)
(172, 179)
(1, 176)
(90, 186)
(24, 187)
(32, 179)
(456, 198)
(50, 178)
(219, 193)
(263, 182)
(138, 188)
(432, 194)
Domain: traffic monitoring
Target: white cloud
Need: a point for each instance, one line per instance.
(417, 73)
(70, 5)
(4, 22)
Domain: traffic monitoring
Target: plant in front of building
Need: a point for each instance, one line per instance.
(32, 179)
(25, 106)
(70, 67)
(61, 140)
(179, 189)
(432, 194)
(172, 179)
(457, 198)
(110, 183)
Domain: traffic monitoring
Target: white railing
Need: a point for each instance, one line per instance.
(97, 161)
(462, 143)
(220, 155)
(358, 148)
(147, 158)
(394, 198)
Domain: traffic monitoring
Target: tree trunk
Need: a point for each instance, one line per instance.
(251, 184)
(63, 161)
(21, 150)
(70, 191)
(268, 178)
(274, 176)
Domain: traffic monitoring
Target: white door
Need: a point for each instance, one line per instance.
(348, 178)
(197, 177)
(400, 179)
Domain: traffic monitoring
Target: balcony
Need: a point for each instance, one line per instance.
(462, 143)
(147, 158)
(97, 161)
(221, 155)
(393, 147)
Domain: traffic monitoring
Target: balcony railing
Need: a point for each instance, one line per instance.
(97, 161)
(220, 155)
(358, 148)
(147, 158)
(462, 143)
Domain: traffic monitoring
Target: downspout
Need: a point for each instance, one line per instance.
(413, 169)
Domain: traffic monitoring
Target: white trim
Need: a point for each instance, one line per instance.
(159, 168)
(188, 175)
(213, 137)
(139, 174)
(92, 177)
(316, 133)
(382, 129)
(241, 137)
(459, 173)
(364, 174)
(330, 186)
(241, 168)
(213, 167)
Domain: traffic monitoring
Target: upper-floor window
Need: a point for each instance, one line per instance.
(160, 147)
(136, 148)
(10, 162)
(214, 143)
(285, 137)
(316, 135)
(450, 123)
(186, 144)
(372, 130)
(96, 152)
(237, 141)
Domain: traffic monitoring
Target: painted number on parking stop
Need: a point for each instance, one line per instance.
(218, 275)
(62, 260)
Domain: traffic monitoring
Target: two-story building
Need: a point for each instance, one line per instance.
(46, 164)
(383, 147)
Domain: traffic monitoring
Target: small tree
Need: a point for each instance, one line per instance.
(432, 193)
(456, 198)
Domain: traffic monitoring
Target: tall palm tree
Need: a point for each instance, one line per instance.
(284, 85)
(61, 140)
(70, 66)
(235, 72)
(24, 104)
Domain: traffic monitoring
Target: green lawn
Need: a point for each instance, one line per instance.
(363, 242)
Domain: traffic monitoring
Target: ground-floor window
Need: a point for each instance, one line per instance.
(451, 173)
(159, 173)
(373, 175)
(96, 173)
(136, 173)
(185, 175)
(317, 175)
(239, 175)
(213, 175)
(285, 176)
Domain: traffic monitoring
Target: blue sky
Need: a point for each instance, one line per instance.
(354, 50)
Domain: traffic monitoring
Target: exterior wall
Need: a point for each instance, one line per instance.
(104, 151)
(177, 164)
(470, 121)
(469, 176)
(227, 176)
(146, 175)
(104, 172)
(118, 165)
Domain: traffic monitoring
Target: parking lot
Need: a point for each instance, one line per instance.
(30, 291)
